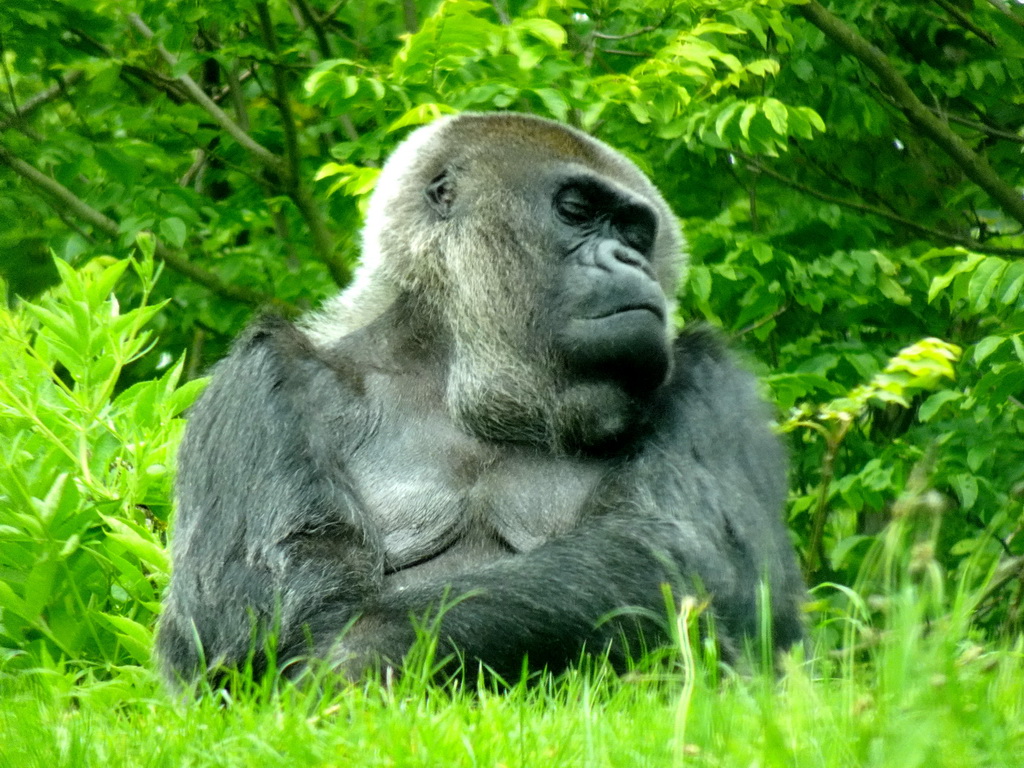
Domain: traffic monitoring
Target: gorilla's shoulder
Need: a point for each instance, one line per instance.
(706, 362)
(275, 349)
(700, 340)
(274, 330)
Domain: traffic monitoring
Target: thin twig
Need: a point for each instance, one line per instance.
(967, 242)
(766, 319)
(819, 517)
(323, 241)
(34, 102)
(332, 11)
(94, 48)
(17, 122)
(642, 31)
(285, 169)
(835, 176)
(975, 166)
(620, 52)
(281, 98)
(195, 169)
(322, 43)
(1003, 8)
(980, 127)
(234, 88)
(195, 354)
(965, 21)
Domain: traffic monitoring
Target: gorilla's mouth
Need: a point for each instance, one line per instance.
(654, 309)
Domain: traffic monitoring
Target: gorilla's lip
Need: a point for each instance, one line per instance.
(652, 308)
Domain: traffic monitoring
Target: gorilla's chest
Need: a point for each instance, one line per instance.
(445, 499)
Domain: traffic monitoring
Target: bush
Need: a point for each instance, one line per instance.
(85, 472)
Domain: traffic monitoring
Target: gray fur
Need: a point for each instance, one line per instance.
(451, 425)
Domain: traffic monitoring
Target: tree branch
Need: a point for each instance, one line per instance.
(58, 193)
(261, 153)
(323, 241)
(965, 21)
(33, 103)
(315, 23)
(322, 43)
(980, 127)
(642, 31)
(285, 169)
(409, 16)
(974, 166)
(1003, 8)
(234, 89)
(951, 237)
(281, 100)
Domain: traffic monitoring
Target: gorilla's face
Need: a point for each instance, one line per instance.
(547, 261)
(608, 312)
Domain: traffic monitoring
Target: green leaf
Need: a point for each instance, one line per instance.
(933, 404)
(776, 113)
(941, 283)
(748, 114)
(173, 231)
(185, 396)
(9, 601)
(136, 637)
(747, 20)
(966, 487)
(139, 542)
(554, 102)
(100, 287)
(803, 69)
(543, 29)
(986, 347)
(1012, 283)
(984, 282)
(146, 243)
(421, 115)
(725, 116)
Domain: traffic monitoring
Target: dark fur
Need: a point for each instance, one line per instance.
(331, 484)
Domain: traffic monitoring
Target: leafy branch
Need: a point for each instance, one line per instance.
(61, 195)
(965, 21)
(32, 104)
(874, 210)
(974, 166)
(284, 169)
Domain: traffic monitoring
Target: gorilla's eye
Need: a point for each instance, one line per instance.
(639, 229)
(573, 206)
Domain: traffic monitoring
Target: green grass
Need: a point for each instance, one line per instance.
(921, 695)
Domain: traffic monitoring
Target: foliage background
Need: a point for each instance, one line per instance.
(848, 176)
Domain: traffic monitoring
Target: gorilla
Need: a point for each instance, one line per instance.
(498, 419)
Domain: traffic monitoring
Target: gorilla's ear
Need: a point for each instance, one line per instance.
(440, 193)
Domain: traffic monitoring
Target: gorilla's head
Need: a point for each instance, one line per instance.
(548, 260)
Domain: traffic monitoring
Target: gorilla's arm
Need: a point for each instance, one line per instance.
(271, 536)
(588, 588)
(698, 510)
(268, 531)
